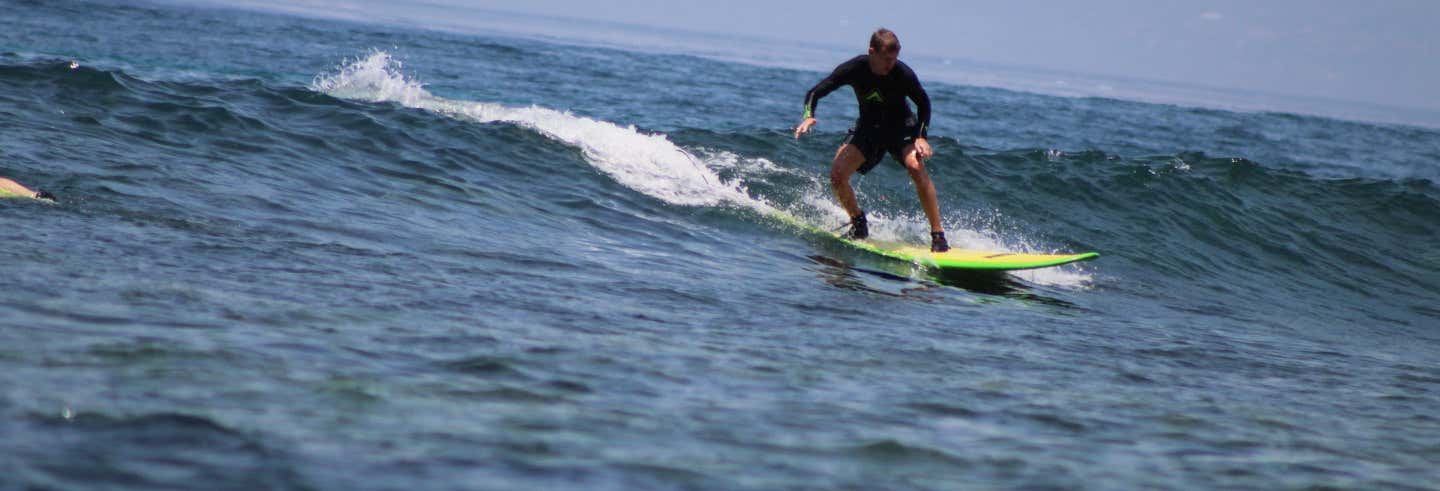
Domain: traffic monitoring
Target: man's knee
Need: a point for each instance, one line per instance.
(847, 161)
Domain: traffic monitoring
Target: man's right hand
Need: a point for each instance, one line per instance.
(804, 127)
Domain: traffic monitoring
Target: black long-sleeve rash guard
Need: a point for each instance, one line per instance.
(881, 97)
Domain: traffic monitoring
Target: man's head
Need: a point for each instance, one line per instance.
(884, 51)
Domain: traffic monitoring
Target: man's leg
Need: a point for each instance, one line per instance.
(848, 159)
(923, 187)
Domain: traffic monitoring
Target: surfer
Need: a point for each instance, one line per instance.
(886, 124)
(11, 188)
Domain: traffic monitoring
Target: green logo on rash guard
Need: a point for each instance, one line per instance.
(874, 96)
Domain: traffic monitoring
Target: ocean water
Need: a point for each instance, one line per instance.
(293, 252)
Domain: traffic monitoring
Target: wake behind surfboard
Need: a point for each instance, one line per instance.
(954, 260)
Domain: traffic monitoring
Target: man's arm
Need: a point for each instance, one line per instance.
(916, 92)
(922, 104)
(837, 78)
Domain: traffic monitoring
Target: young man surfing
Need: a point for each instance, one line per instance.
(886, 125)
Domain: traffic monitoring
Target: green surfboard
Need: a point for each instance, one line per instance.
(955, 259)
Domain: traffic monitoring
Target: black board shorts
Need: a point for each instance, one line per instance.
(875, 141)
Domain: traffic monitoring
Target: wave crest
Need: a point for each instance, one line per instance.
(648, 163)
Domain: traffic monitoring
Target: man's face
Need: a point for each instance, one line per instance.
(881, 62)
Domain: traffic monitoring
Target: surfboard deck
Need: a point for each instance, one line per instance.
(954, 259)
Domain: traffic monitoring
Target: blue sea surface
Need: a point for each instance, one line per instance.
(305, 252)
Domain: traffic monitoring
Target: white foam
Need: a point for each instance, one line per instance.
(376, 78)
(648, 163)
